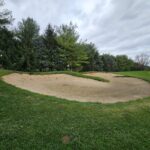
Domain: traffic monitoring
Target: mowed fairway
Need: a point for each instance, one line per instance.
(82, 89)
(33, 121)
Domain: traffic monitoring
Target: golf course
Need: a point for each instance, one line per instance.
(29, 120)
(74, 75)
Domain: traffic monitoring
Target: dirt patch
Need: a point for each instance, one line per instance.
(80, 89)
(66, 139)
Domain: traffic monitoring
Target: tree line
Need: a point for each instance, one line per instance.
(58, 48)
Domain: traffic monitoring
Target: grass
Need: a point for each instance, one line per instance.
(76, 74)
(145, 75)
(33, 121)
(4, 72)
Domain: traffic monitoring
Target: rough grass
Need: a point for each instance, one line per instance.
(76, 74)
(145, 75)
(33, 121)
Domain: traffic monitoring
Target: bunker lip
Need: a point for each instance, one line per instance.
(81, 89)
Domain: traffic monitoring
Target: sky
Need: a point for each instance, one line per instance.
(115, 26)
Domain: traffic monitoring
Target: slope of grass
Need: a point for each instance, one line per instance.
(33, 121)
(145, 75)
(4, 72)
(76, 74)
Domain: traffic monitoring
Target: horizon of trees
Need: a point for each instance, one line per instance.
(58, 48)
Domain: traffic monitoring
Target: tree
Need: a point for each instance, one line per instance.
(109, 63)
(5, 15)
(7, 44)
(8, 49)
(53, 51)
(59, 48)
(67, 39)
(124, 63)
(143, 60)
(27, 33)
(80, 56)
(41, 55)
(94, 61)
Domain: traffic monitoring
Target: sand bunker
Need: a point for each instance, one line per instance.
(119, 89)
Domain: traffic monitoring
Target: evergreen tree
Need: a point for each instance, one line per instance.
(54, 53)
(27, 33)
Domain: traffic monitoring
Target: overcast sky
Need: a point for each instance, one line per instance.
(115, 26)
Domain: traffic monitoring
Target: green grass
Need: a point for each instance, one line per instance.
(145, 75)
(33, 121)
(4, 72)
(76, 74)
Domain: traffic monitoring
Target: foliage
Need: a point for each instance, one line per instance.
(54, 53)
(27, 33)
(124, 63)
(59, 48)
(67, 38)
(94, 62)
(110, 63)
(9, 53)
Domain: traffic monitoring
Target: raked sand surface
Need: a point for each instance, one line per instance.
(119, 89)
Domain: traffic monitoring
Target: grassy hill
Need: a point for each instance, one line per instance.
(33, 121)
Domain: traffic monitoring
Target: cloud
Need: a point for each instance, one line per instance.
(115, 26)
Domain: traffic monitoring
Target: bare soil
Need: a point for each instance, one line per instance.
(119, 89)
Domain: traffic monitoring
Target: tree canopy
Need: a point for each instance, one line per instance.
(58, 48)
